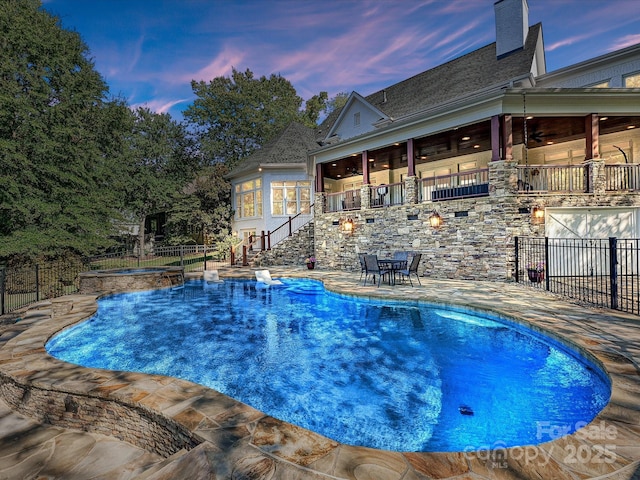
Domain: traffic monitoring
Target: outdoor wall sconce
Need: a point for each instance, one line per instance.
(435, 220)
(537, 215)
(347, 226)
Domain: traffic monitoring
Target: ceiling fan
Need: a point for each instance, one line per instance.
(353, 170)
(538, 135)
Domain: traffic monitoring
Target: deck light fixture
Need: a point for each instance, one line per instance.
(347, 226)
(537, 215)
(435, 220)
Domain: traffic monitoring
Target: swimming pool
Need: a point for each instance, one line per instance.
(389, 375)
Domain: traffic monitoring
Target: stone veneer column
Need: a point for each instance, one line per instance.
(596, 176)
(503, 177)
(319, 204)
(365, 198)
(410, 190)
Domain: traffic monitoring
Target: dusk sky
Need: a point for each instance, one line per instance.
(148, 51)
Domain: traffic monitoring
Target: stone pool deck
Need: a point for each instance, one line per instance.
(64, 421)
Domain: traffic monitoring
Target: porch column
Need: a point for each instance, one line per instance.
(411, 159)
(507, 137)
(319, 178)
(592, 130)
(501, 136)
(594, 165)
(319, 196)
(495, 138)
(319, 204)
(365, 167)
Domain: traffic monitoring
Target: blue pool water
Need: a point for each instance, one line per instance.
(389, 375)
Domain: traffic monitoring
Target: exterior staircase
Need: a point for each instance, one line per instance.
(291, 250)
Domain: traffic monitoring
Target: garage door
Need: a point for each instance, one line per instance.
(592, 223)
(587, 224)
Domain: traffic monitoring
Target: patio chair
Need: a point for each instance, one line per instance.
(264, 276)
(363, 267)
(373, 268)
(412, 269)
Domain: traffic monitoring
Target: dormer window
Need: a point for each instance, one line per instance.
(632, 81)
(356, 119)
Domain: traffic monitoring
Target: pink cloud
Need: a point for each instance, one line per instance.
(159, 105)
(626, 41)
(221, 65)
(566, 41)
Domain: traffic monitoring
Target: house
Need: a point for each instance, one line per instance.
(274, 184)
(457, 161)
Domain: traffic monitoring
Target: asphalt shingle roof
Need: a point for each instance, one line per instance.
(455, 79)
(290, 146)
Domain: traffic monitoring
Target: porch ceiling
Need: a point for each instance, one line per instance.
(541, 131)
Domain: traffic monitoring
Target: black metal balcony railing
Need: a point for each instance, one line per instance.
(622, 177)
(473, 183)
(551, 178)
(386, 195)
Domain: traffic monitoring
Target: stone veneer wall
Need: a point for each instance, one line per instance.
(476, 240)
(143, 428)
(139, 279)
(46, 403)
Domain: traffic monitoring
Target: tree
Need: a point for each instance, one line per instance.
(52, 111)
(203, 210)
(161, 160)
(313, 108)
(234, 116)
(337, 102)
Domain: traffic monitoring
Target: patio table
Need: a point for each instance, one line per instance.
(393, 265)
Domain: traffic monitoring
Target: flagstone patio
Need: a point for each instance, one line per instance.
(64, 421)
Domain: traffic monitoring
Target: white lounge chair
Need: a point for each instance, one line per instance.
(264, 276)
(212, 276)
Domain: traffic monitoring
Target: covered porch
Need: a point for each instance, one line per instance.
(546, 154)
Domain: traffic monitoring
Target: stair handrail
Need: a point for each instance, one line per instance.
(293, 226)
(233, 249)
(264, 241)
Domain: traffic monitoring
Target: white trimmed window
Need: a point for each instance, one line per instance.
(632, 81)
(290, 198)
(249, 199)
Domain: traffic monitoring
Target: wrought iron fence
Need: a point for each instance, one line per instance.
(31, 283)
(601, 272)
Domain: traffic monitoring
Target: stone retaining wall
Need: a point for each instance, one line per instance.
(72, 404)
(477, 237)
(142, 428)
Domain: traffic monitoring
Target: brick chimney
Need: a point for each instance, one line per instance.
(512, 25)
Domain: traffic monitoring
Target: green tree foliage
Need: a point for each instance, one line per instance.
(160, 161)
(202, 213)
(54, 197)
(336, 102)
(236, 115)
(313, 108)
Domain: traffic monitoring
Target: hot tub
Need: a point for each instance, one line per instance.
(130, 279)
